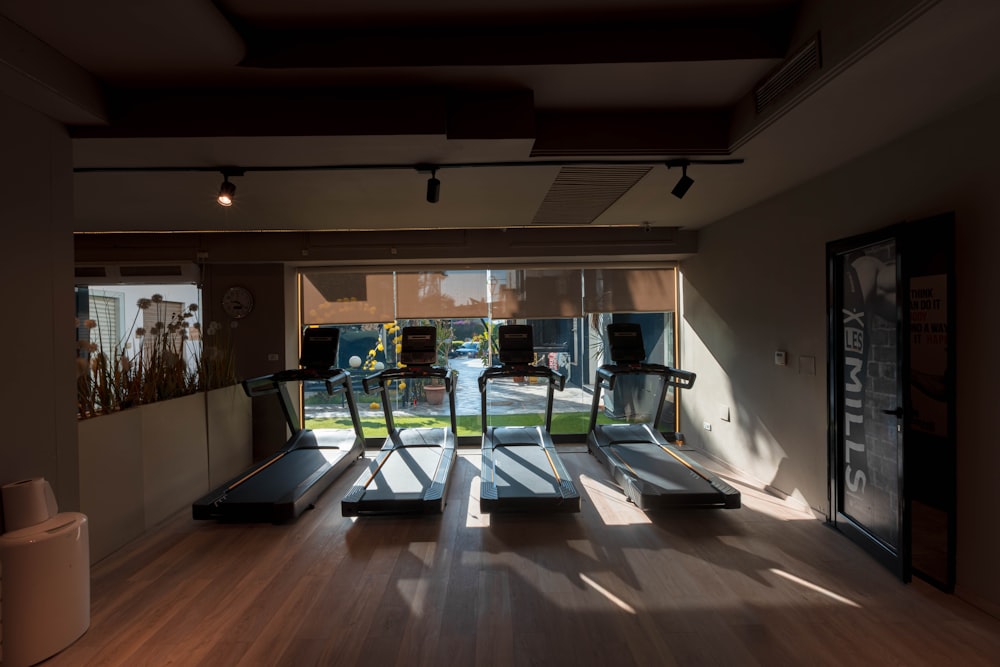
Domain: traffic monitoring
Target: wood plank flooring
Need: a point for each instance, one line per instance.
(762, 585)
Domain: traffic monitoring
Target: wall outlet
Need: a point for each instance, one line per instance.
(707, 426)
(779, 358)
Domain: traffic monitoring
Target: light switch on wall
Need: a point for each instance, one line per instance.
(807, 365)
(779, 358)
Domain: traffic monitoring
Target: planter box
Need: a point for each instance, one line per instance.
(143, 465)
(230, 434)
(174, 455)
(111, 480)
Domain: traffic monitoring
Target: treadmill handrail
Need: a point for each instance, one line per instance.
(338, 381)
(268, 384)
(555, 380)
(406, 373)
(673, 377)
(374, 384)
(516, 370)
(605, 376)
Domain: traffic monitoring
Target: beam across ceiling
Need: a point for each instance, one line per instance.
(677, 37)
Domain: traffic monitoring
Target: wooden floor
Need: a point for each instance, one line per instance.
(764, 585)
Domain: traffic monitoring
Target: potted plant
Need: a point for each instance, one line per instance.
(434, 389)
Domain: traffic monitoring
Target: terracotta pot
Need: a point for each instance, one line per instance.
(434, 393)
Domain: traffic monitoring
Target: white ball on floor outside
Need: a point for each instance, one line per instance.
(379, 365)
(354, 361)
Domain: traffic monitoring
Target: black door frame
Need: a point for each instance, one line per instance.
(923, 248)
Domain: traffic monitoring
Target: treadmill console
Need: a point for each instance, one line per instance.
(419, 346)
(320, 345)
(516, 344)
(625, 341)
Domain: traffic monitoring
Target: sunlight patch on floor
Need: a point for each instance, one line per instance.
(474, 518)
(424, 552)
(813, 587)
(617, 601)
(414, 594)
(611, 504)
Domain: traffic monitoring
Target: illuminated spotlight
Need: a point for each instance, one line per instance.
(227, 192)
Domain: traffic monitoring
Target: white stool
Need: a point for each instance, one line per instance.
(44, 588)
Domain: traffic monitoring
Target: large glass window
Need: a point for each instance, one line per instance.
(568, 309)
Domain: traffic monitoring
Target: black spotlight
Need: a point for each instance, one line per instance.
(227, 191)
(433, 188)
(683, 185)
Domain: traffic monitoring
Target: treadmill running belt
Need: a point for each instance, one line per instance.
(522, 471)
(661, 469)
(409, 475)
(278, 489)
(405, 475)
(270, 485)
(340, 438)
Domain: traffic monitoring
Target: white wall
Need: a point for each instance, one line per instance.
(758, 285)
(38, 437)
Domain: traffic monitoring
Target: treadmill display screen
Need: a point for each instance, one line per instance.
(625, 341)
(419, 346)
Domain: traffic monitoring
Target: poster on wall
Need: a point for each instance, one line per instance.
(929, 354)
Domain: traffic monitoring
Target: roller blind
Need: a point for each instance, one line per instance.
(628, 290)
(441, 294)
(330, 297)
(536, 293)
(106, 311)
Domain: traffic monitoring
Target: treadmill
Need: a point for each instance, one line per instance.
(651, 469)
(521, 469)
(411, 472)
(285, 484)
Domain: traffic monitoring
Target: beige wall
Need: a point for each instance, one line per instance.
(262, 346)
(38, 438)
(758, 285)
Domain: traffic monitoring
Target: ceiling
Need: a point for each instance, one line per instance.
(532, 113)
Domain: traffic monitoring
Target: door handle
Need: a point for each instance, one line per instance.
(898, 412)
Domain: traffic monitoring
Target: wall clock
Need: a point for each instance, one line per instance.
(237, 302)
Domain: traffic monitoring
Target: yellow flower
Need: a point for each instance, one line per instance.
(402, 385)
(373, 405)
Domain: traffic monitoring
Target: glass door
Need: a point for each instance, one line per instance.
(867, 400)
(892, 396)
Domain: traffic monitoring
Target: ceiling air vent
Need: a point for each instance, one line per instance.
(167, 273)
(580, 194)
(789, 75)
(90, 272)
(150, 271)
